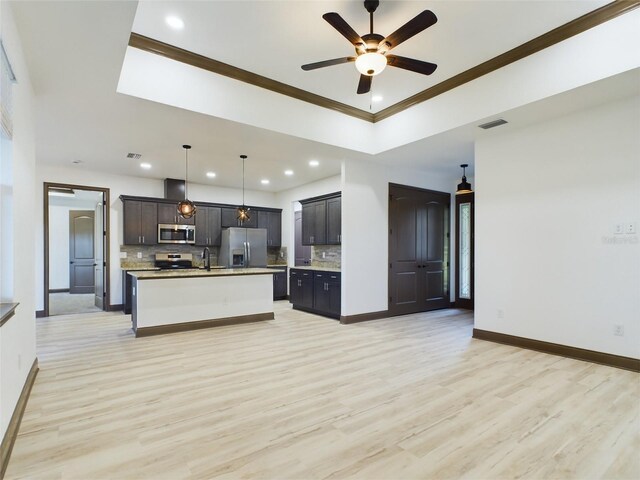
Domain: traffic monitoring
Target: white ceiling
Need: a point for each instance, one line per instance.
(75, 52)
(274, 38)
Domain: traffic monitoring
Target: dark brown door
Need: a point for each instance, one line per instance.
(302, 253)
(464, 250)
(81, 251)
(100, 248)
(418, 253)
(404, 253)
(434, 266)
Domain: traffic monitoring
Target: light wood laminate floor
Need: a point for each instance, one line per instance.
(304, 397)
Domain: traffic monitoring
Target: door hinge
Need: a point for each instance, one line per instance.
(104, 233)
(448, 235)
(390, 299)
(104, 264)
(391, 265)
(391, 231)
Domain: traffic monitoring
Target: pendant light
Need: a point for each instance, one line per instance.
(243, 211)
(464, 186)
(186, 208)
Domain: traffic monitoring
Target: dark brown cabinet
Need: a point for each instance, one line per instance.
(168, 214)
(315, 291)
(208, 226)
(229, 216)
(140, 223)
(279, 283)
(314, 223)
(301, 288)
(272, 221)
(322, 220)
(326, 293)
(418, 253)
(334, 221)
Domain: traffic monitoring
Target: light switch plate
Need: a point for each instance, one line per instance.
(139, 255)
(618, 229)
(123, 254)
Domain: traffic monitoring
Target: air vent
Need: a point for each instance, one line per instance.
(493, 123)
(135, 156)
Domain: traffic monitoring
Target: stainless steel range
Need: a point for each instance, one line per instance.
(174, 261)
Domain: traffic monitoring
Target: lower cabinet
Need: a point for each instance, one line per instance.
(301, 288)
(315, 291)
(279, 283)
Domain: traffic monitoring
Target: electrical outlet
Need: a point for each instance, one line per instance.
(500, 313)
(630, 228)
(123, 254)
(618, 229)
(139, 255)
(324, 254)
(281, 254)
(618, 330)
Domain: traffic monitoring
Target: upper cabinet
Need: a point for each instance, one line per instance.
(140, 222)
(272, 221)
(321, 220)
(230, 218)
(143, 214)
(208, 226)
(168, 214)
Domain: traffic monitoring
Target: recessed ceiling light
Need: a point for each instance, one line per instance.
(376, 98)
(264, 181)
(288, 172)
(175, 22)
(77, 162)
(211, 174)
(146, 166)
(314, 163)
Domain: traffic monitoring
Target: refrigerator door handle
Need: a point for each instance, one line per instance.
(245, 259)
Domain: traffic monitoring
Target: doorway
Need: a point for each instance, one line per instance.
(418, 250)
(464, 250)
(302, 253)
(76, 249)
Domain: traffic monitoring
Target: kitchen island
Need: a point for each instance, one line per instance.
(173, 301)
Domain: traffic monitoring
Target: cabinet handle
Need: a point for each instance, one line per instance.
(339, 238)
(139, 239)
(143, 239)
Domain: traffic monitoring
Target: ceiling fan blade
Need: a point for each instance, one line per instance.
(328, 63)
(425, 68)
(364, 85)
(420, 22)
(337, 22)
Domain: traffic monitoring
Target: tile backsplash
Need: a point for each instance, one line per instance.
(326, 256)
(275, 255)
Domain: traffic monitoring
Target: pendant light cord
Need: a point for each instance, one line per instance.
(243, 182)
(186, 172)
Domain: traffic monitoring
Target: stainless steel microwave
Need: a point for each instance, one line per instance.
(176, 233)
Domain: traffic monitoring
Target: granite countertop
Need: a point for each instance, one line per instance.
(139, 269)
(276, 265)
(190, 273)
(319, 269)
(6, 311)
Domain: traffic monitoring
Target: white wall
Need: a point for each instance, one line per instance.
(547, 200)
(122, 185)
(18, 338)
(365, 229)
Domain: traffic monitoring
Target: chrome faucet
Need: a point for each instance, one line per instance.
(206, 256)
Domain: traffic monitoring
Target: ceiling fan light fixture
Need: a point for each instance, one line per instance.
(371, 64)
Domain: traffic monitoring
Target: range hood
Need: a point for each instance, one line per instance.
(174, 189)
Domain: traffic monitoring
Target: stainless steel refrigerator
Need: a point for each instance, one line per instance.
(243, 247)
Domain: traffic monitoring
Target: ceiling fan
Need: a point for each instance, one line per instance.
(372, 49)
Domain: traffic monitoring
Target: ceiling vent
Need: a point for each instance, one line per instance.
(135, 156)
(493, 123)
